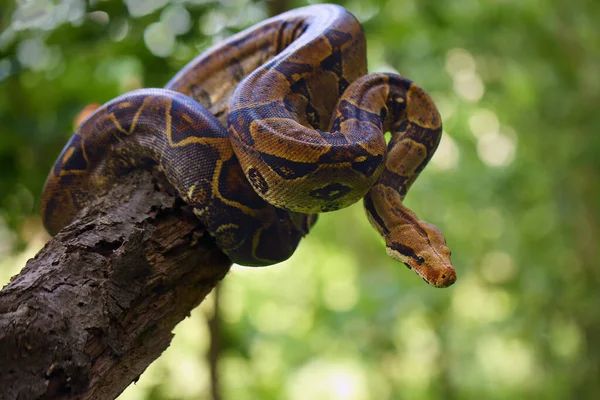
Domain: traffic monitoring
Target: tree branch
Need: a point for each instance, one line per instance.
(97, 304)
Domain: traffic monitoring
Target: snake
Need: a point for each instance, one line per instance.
(264, 131)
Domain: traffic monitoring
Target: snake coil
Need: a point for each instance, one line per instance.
(305, 135)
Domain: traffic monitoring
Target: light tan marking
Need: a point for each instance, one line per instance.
(117, 124)
(137, 114)
(68, 154)
(421, 110)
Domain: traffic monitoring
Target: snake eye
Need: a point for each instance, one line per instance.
(420, 260)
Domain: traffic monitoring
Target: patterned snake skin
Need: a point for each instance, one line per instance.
(305, 135)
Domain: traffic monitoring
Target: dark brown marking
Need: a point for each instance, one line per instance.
(348, 110)
(339, 151)
(312, 115)
(299, 29)
(368, 166)
(333, 63)
(234, 186)
(288, 169)
(301, 89)
(370, 207)
(337, 38)
(240, 120)
(404, 250)
(76, 161)
(394, 181)
(333, 191)
(258, 181)
(291, 70)
(343, 84)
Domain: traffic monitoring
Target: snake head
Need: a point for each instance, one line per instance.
(423, 249)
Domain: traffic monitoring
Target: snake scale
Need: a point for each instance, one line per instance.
(264, 131)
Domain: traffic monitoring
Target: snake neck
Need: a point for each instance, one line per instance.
(395, 104)
(416, 243)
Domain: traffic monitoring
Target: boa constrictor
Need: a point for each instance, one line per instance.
(305, 135)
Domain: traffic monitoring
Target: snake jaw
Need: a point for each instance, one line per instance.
(434, 270)
(437, 275)
(446, 277)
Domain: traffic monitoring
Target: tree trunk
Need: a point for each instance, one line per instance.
(97, 304)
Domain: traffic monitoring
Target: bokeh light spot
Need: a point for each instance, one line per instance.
(340, 295)
(446, 105)
(267, 358)
(565, 337)
(483, 121)
(469, 86)
(159, 40)
(33, 53)
(496, 149)
(275, 317)
(118, 29)
(325, 380)
(506, 361)
(99, 17)
(447, 154)
(47, 15)
(176, 19)
(213, 22)
(418, 348)
(139, 8)
(498, 267)
(481, 304)
(459, 61)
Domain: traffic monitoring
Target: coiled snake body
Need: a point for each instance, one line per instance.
(305, 135)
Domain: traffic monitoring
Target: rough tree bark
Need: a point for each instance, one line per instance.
(97, 304)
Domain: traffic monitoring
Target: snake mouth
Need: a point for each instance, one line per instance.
(438, 276)
(446, 277)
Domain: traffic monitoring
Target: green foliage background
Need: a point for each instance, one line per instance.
(514, 186)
